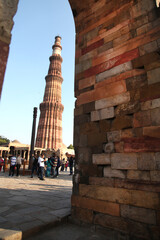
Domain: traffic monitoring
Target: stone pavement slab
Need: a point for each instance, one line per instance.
(29, 204)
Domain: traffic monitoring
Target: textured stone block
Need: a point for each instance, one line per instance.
(119, 195)
(142, 119)
(150, 92)
(105, 113)
(108, 147)
(155, 176)
(123, 161)
(112, 101)
(87, 82)
(114, 71)
(109, 172)
(130, 184)
(114, 136)
(145, 144)
(96, 205)
(127, 108)
(92, 46)
(119, 147)
(150, 104)
(157, 158)
(155, 116)
(101, 181)
(147, 48)
(84, 155)
(136, 82)
(152, 131)
(142, 7)
(138, 214)
(146, 161)
(138, 175)
(153, 76)
(121, 122)
(101, 159)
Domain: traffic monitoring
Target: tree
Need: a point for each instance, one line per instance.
(70, 146)
(4, 140)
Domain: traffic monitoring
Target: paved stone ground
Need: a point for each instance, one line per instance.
(29, 203)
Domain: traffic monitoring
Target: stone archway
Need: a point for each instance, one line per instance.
(116, 122)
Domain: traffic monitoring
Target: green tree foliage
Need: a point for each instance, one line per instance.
(4, 140)
(70, 146)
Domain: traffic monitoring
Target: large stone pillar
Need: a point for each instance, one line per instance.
(117, 115)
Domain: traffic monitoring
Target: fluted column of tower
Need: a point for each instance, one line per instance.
(49, 133)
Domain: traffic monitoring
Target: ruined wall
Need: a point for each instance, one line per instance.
(117, 115)
(8, 9)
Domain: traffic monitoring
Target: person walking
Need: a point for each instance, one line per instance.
(57, 167)
(12, 166)
(41, 161)
(18, 164)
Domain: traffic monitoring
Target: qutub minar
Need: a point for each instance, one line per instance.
(49, 133)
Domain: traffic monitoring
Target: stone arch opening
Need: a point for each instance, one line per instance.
(117, 125)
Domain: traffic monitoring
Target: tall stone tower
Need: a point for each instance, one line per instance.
(49, 134)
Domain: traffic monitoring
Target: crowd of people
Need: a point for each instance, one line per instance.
(50, 166)
(41, 166)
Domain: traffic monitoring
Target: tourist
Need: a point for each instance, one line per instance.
(1, 163)
(62, 164)
(34, 165)
(57, 167)
(12, 165)
(48, 167)
(41, 161)
(18, 164)
(66, 165)
(54, 165)
(71, 165)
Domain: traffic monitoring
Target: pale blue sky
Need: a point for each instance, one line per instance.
(37, 22)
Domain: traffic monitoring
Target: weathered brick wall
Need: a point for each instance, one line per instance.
(8, 9)
(117, 115)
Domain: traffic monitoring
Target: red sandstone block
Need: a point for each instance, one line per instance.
(100, 93)
(138, 214)
(123, 58)
(142, 119)
(155, 176)
(129, 45)
(95, 205)
(122, 76)
(92, 46)
(153, 131)
(145, 144)
(150, 92)
(87, 82)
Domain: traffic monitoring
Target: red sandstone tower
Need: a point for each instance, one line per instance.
(49, 134)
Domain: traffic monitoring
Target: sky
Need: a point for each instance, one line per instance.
(36, 24)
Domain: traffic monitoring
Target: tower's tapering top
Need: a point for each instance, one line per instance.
(57, 46)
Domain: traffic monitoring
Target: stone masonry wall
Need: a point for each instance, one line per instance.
(8, 9)
(117, 115)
